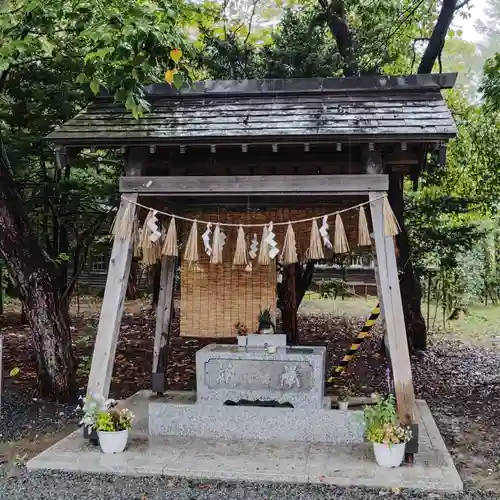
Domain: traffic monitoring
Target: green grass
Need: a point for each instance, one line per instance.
(480, 326)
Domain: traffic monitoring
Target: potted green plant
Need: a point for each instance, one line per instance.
(112, 428)
(383, 429)
(91, 405)
(241, 333)
(343, 399)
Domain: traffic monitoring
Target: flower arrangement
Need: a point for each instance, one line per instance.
(92, 406)
(390, 434)
(382, 424)
(345, 393)
(114, 420)
(241, 328)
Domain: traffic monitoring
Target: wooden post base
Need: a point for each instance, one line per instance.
(158, 384)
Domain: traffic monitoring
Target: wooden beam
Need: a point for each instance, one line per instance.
(254, 185)
(112, 308)
(393, 312)
(163, 317)
(407, 157)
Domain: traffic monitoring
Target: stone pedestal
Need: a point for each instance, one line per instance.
(258, 378)
(293, 375)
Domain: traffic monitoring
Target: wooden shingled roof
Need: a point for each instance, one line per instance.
(379, 108)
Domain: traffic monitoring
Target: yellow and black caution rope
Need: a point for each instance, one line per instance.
(365, 332)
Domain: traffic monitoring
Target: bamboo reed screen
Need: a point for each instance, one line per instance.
(216, 297)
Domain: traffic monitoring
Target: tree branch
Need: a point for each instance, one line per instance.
(336, 21)
(85, 242)
(438, 37)
(463, 4)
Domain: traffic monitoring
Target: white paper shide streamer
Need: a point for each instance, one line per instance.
(323, 230)
(206, 239)
(152, 225)
(254, 246)
(271, 242)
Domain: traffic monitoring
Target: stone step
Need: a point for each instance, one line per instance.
(255, 423)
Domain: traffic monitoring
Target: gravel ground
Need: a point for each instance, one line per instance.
(23, 415)
(38, 486)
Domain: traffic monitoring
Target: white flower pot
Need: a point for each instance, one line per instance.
(343, 405)
(113, 442)
(389, 456)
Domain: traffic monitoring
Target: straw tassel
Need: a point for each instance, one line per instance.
(149, 246)
(340, 244)
(364, 239)
(217, 244)
(315, 251)
(191, 251)
(170, 244)
(121, 225)
(289, 252)
(391, 225)
(240, 255)
(264, 259)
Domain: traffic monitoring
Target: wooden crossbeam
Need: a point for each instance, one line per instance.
(255, 185)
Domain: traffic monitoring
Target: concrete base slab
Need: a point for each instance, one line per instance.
(259, 461)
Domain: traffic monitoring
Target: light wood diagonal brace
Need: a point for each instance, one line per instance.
(393, 311)
(112, 306)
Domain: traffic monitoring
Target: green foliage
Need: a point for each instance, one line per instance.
(332, 288)
(491, 82)
(114, 420)
(452, 217)
(119, 44)
(105, 422)
(302, 45)
(381, 422)
(54, 56)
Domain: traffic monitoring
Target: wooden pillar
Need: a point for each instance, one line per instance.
(289, 309)
(163, 323)
(393, 312)
(113, 302)
(1, 289)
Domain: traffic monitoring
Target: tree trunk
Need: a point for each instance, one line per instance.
(37, 280)
(291, 291)
(336, 19)
(411, 291)
(303, 280)
(438, 37)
